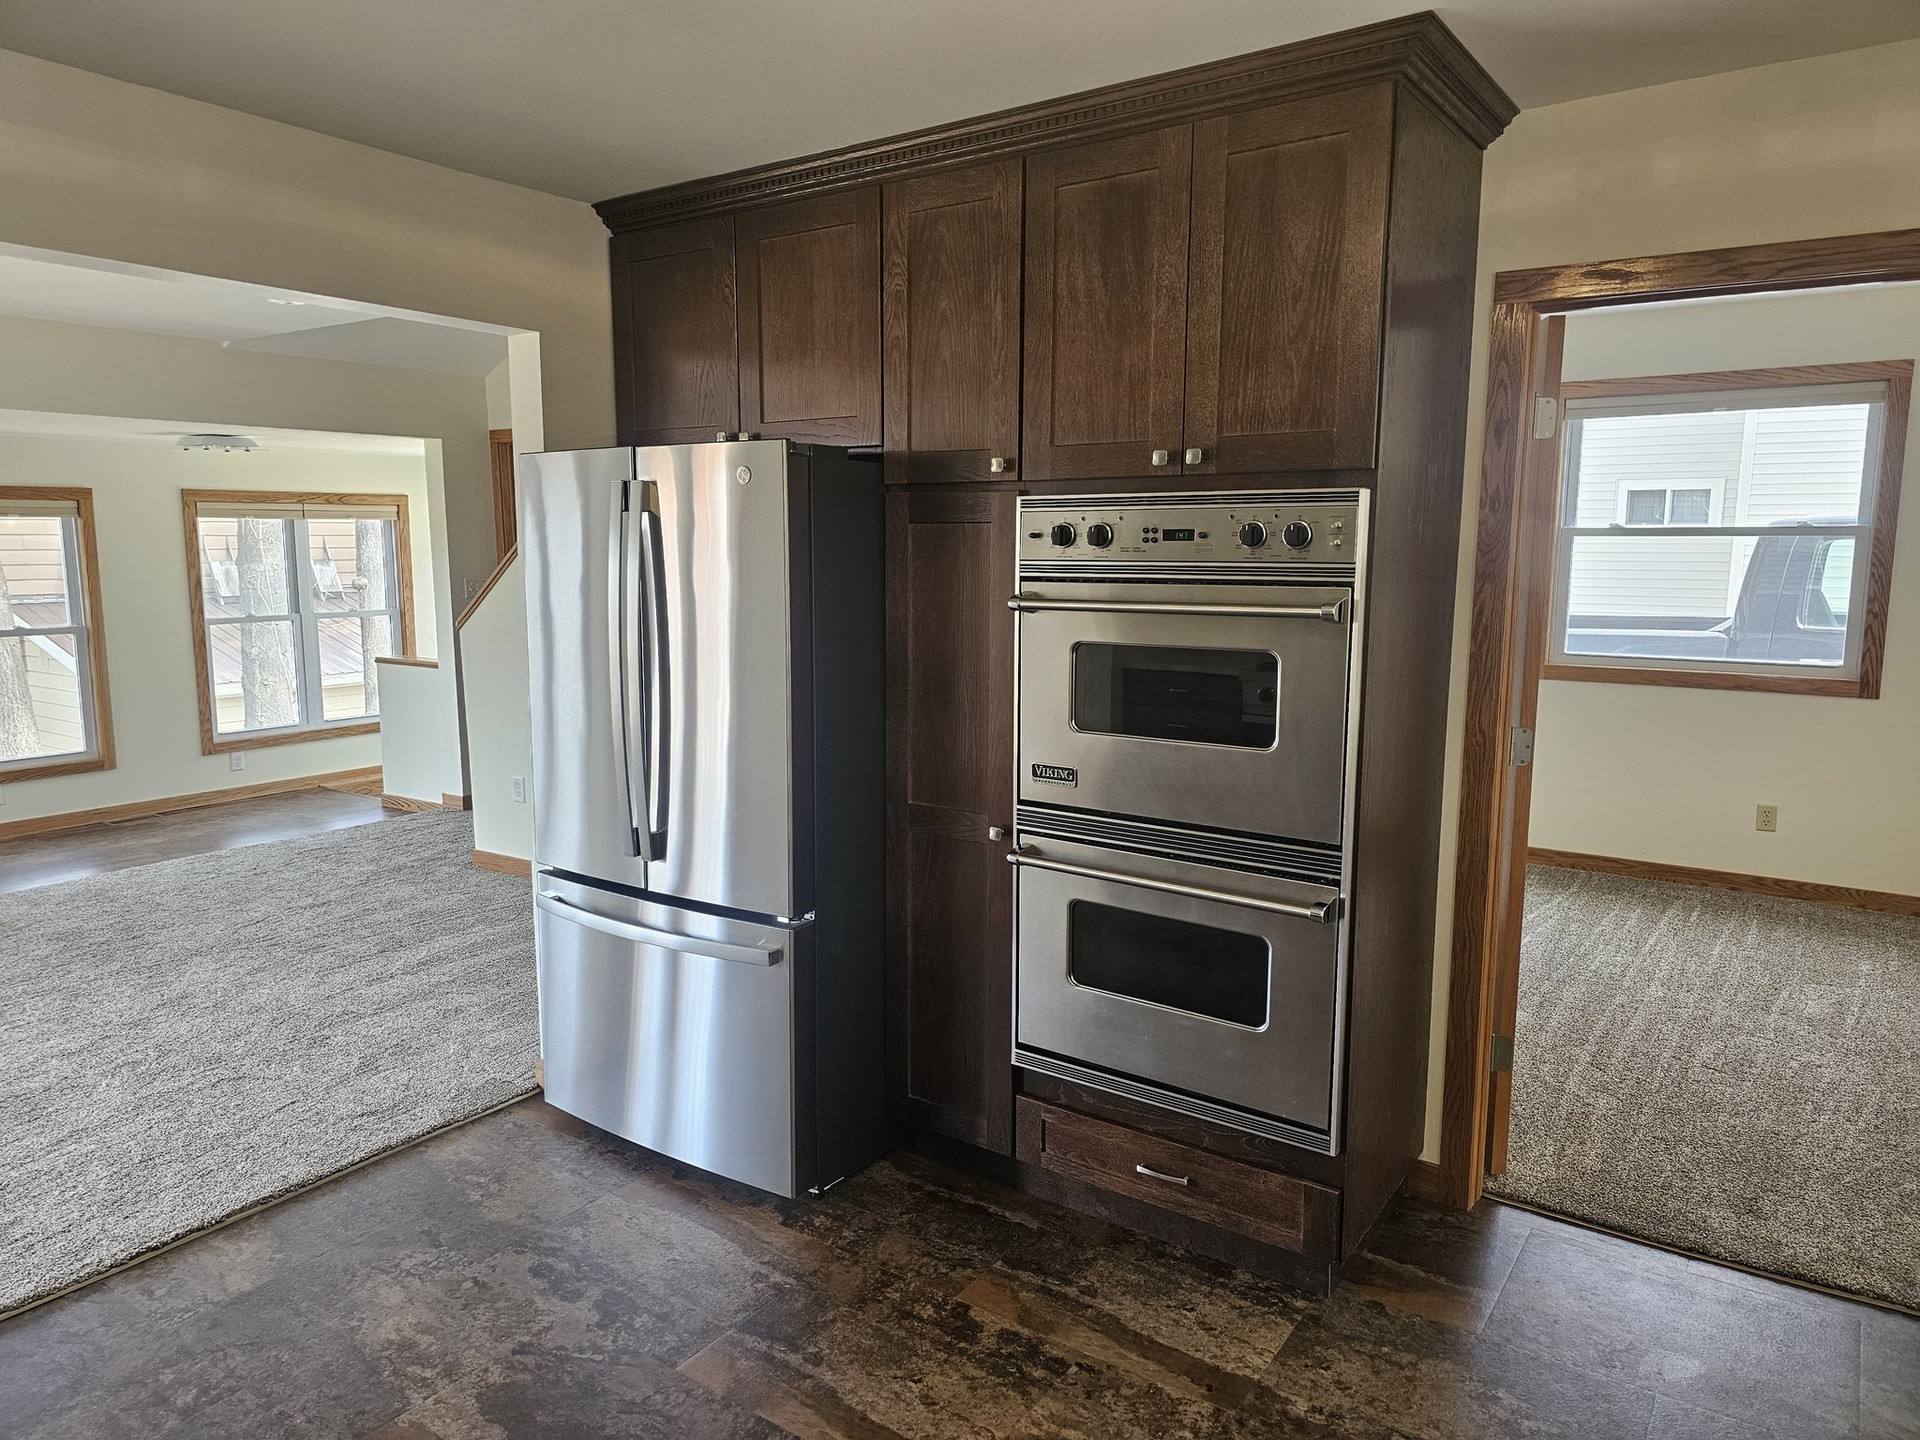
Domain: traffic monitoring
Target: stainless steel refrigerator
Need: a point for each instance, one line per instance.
(706, 640)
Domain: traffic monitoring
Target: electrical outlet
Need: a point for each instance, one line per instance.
(519, 789)
(236, 759)
(1766, 817)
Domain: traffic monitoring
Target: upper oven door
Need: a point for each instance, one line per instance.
(1216, 705)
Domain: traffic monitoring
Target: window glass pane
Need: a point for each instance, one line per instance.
(34, 585)
(351, 564)
(40, 701)
(350, 681)
(254, 675)
(1213, 697)
(1646, 507)
(243, 566)
(1740, 598)
(1198, 968)
(1690, 507)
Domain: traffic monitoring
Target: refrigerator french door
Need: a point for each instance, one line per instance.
(707, 857)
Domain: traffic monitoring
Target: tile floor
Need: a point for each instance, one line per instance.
(525, 1276)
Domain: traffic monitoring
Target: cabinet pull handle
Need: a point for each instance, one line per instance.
(1160, 457)
(996, 832)
(1153, 1174)
(1195, 455)
(999, 464)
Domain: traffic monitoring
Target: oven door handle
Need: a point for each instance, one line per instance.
(1334, 611)
(1321, 912)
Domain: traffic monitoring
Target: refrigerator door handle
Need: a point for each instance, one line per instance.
(659, 695)
(620, 668)
(634, 602)
(758, 953)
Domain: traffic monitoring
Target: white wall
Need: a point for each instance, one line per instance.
(95, 166)
(493, 662)
(1828, 146)
(143, 598)
(1658, 773)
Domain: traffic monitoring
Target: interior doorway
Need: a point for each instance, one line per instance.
(1540, 606)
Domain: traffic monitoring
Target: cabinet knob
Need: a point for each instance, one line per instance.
(1195, 455)
(721, 435)
(999, 464)
(996, 832)
(1160, 457)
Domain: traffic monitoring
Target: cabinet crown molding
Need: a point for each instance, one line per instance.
(1417, 51)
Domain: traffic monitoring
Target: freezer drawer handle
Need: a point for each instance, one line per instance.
(1321, 912)
(1334, 610)
(665, 939)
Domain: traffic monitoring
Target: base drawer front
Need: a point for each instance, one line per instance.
(1262, 1204)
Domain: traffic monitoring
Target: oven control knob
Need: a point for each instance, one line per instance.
(1064, 534)
(1297, 535)
(1253, 534)
(1099, 535)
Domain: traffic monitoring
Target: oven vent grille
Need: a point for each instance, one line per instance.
(1239, 498)
(1246, 572)
(1287, 859)
(1254, 1124)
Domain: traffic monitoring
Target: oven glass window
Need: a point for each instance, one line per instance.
(1167, 692)
(1221, 974)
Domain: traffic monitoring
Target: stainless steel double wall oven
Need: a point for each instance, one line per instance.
(1187, 706)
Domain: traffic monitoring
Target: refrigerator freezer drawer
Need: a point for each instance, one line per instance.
(683, 1043)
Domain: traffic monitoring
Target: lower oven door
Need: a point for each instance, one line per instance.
(1208, 985)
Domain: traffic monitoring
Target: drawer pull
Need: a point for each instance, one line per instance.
(1153, 1174)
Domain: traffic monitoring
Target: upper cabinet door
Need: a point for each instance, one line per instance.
(810, 319)
(1289, 255)
(1106, 307)
(951, 314)
(674, 357)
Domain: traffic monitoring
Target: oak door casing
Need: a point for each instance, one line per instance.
(675, 357)
(951, 323)
(1106, 306)
(810, 319)
(950, 777)
(1288, 264)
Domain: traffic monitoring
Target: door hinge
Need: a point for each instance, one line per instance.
(1546, 416)
(1520, 746)
(1502, 1053)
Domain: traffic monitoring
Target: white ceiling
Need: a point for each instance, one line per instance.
(48, 285)
(49, 425)
(595, 98)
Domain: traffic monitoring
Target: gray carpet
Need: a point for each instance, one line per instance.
(185, 1040)
(1729, 1074)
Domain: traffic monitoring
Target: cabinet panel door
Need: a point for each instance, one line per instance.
(950, 767)
(952, 323)
(1106, 306)
(675, 362)
(1289, 258)
(810, 319)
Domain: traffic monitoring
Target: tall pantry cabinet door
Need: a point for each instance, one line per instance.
(1289, 259)
(950, 778)
(1106, 307)
(951, 324)
(674, 359)
(810, 319)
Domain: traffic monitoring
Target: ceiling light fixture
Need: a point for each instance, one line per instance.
(282, 300)
(228, 443)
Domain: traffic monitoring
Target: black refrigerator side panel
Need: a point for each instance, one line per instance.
(849, 787)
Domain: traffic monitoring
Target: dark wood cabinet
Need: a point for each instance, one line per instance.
(1288, 259)
(950, 756)
(810, 319)
(675, 363)
(951, 324)
(1106, 307)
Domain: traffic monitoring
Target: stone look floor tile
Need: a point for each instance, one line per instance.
(1675, 1421)
(1444, 1265)
(1889, 1376)
(1675, 1326)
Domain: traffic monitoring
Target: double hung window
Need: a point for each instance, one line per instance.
(54, 716)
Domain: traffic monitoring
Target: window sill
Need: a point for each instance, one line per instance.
(225, 744)
(53, 767)
(1829, 685)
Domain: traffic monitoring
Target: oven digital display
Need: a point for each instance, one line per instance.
(1176, 534)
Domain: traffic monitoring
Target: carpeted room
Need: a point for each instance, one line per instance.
(1718, 1011)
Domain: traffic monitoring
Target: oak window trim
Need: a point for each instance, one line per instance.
(86, 545)
(211, 741)
(1881, 492)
